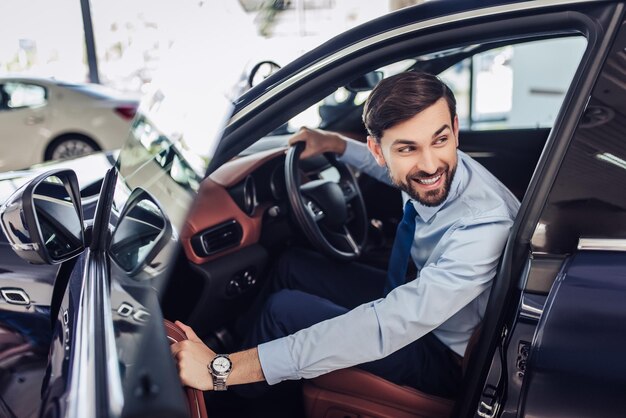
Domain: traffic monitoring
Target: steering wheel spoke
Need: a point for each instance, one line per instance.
(315, 211)
(350, 240)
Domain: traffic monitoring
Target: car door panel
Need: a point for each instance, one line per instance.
(509, 154)
(585, 309)
(148, 375)
(554, 224)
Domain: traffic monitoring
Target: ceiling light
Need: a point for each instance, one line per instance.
(610, 158)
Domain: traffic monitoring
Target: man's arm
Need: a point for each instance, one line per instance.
(318, 142)
(349, 151)
(193, 357)
(468, 262)
(372, 330)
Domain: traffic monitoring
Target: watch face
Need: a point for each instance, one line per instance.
(221, 365)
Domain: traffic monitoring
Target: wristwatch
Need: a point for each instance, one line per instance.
(219, 368)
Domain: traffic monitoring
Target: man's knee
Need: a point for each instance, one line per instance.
(292, 310)
(279, 307)
(279, 303)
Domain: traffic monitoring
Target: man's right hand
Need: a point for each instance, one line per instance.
(192, 358)
(318, 142)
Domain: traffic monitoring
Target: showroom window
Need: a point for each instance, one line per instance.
(34, 43)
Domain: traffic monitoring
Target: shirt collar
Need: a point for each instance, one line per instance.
(427, 212)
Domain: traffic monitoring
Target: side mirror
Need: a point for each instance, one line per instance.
(143, 229)
(43, 219)
(366, 82)
(261, 71)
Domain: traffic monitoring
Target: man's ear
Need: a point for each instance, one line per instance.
(455, 128)
(376, 151)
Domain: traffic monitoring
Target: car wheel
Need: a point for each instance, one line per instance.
(70, 146)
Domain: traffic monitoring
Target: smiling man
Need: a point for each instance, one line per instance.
(324, 315)
(422, 166)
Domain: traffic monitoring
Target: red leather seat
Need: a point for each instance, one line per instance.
(354, 393)
(195, 398)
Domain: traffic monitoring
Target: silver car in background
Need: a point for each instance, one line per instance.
(45, 119)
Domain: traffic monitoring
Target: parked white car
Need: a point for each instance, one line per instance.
(44, 119)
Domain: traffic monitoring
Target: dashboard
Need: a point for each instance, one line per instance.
(237, 226)
(228, 212)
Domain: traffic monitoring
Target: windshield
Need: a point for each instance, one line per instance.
(175, 132)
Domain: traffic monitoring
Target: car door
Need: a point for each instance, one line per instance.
(96, 345)
(24, 116)
(136, 229)
(563, 355)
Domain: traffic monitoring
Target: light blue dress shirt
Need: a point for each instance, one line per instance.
(456, 250)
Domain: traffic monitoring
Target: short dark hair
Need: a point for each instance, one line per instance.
(402, 96)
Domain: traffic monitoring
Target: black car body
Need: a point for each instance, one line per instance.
(169, 241)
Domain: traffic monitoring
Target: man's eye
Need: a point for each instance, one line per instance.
(441, 140)
(404, 150)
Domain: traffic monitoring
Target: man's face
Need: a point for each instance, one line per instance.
(420, 153)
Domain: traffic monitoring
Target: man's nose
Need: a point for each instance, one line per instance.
(428, 163)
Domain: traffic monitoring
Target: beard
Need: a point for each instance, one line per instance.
(428, 198)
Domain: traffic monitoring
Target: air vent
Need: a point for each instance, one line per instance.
(216, 239)
(15, 296)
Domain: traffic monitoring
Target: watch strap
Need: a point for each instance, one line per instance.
(219, 383)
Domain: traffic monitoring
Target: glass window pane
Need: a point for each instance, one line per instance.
(134, 37)
(510, 89)
(493, 86)
(24, 95)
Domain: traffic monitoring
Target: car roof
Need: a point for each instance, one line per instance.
(93, 90)
(29, 79)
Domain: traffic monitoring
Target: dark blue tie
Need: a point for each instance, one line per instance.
(398, 262)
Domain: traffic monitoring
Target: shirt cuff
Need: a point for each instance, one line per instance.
(276, 361)
(353, 154)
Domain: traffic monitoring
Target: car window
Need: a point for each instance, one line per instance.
(21, 95)
(500, 88)
(504, 88)
(317, 115)
(587, 199)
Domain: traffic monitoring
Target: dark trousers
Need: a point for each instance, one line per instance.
(307, 288)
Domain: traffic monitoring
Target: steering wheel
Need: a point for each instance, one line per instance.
(331, 214)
